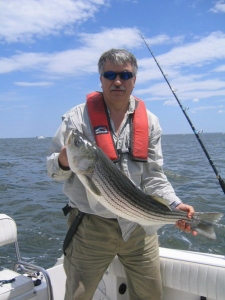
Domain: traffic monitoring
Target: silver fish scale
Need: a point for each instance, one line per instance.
(123, 198)
(117, 193)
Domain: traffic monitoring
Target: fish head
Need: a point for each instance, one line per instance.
(81, 153)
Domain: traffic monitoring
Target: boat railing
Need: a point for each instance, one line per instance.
(8, 235)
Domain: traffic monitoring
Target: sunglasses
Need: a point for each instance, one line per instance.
(125, 75)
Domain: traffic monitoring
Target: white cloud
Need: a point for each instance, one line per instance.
(171, 103)
(202, 108)
(13, 107)
(115, 37)
(71, 61)
(85, 58)
(190, 69)
(163, 39)
(197, 53)
(203, 85)
(23, 61)
(8, 97)
(187, 84)
(220, 69)
(180, 63)
(42, 83)
(219, 7)
(25, 19)
(188, 90)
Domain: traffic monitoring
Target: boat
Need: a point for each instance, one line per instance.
(40, 137)
(186, 275)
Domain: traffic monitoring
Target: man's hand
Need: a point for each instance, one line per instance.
(183, 225)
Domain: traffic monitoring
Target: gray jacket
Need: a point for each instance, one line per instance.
(148, 176)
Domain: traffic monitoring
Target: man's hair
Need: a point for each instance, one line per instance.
(117, 57)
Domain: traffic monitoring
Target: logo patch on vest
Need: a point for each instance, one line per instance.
(102, 129)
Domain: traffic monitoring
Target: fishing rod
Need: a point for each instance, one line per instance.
(221, 181)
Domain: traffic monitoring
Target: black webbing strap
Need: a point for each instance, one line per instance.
(72, 230)
(66, 209)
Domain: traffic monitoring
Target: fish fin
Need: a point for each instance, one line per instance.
(203, 223)
(87, 182)
(206, 230)
(93, 188)
(162, 202)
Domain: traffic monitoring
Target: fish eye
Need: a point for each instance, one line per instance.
(77, 142)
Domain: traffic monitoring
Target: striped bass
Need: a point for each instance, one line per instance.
(120, 195)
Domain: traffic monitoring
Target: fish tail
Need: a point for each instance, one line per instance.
(203, 223)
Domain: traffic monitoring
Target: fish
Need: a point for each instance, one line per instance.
(115, 191)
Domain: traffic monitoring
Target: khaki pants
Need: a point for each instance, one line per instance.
(93, 247)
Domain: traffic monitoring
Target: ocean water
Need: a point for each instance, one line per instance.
(35, 201)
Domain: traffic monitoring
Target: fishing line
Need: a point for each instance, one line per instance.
(208, 146)
(221, 181)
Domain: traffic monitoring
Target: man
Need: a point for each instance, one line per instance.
(101, 235)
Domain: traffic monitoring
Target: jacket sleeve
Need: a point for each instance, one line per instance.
(154, 181)
(58, 141)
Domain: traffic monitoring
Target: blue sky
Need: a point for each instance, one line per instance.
(49, 52)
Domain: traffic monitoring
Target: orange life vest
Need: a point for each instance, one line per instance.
(99, 118)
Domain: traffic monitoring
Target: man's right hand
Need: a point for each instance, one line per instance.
(63, 161)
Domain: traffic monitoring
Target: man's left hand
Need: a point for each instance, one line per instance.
(183, 225)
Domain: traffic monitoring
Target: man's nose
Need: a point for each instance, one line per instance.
(117, 80)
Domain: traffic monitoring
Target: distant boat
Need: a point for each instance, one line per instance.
(40, 137)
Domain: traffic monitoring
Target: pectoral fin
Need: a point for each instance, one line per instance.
(161, 203)
(88, 184)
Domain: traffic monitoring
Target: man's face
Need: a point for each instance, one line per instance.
(117, 90)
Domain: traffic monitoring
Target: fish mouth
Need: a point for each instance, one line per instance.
(69, 138)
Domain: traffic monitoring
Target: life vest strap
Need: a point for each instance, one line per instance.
(100, 122)
(98, 115)
(139, 134)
